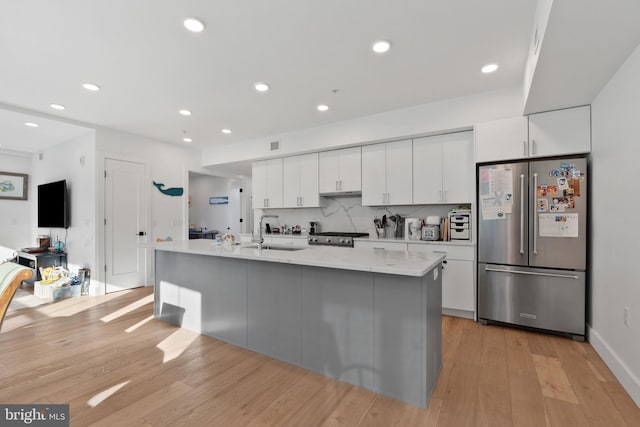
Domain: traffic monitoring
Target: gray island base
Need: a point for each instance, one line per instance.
(375, 330)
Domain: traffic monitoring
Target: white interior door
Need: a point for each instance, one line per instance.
(125, 225)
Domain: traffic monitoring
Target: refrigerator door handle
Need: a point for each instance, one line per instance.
(532, 273)
(522, 214)
(535, 214)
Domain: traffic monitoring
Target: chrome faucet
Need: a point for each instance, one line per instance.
(260, 240)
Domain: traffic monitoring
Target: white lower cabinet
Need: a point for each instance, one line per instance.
(458, 289)
(380, 244)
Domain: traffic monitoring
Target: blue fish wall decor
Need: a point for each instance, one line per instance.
(175, 191)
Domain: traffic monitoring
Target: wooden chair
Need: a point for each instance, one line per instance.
(11, 276)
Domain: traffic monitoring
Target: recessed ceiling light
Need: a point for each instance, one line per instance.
(322, 107)
(489, 68)
(185, 112)
(261, 87)
(31, 124)
(226, 131)
(381, 46)
(57, 106)
(187, 139)
(193, 24)
(92, 87)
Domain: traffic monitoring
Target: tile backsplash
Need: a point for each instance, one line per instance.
(346, 214)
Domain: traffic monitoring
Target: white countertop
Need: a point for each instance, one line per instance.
(402, 263)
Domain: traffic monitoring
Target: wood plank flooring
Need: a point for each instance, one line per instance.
(117, 365)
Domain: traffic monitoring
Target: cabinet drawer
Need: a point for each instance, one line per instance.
(452, 251)
(381, 244)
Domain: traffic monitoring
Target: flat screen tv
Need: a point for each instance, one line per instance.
(53, 205)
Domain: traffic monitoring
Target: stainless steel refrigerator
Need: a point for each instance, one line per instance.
(532, 244)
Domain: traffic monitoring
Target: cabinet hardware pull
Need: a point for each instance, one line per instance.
(535, 214)
(524, 148)
(522, 214)
(534, 147)
(531, 273)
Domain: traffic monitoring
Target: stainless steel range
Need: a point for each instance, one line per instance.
(335, 239)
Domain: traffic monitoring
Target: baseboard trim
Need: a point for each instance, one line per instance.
(622, 372)
(458, 313)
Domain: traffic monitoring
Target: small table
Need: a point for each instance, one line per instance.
(41, 259)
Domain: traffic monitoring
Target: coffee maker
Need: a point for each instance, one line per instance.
(314, 227)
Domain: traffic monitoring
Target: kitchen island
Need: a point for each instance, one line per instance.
(367, 317)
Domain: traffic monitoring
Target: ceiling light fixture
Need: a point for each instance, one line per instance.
(31, 124)
(92, 87)
(261, 87)
(226, 131)
(194, 25)
(185, 112)
(322, 107)
(57, 106)
(489, 68)
(381, 46)
(187, 139)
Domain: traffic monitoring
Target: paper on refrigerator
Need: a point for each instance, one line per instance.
(492, 207)
(558, 225)
(496, 193)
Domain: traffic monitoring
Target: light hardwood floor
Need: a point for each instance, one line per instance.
(116, 365)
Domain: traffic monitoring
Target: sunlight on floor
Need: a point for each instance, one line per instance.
(176, 343)
(104, 395)
(137, 325)
(124, 310)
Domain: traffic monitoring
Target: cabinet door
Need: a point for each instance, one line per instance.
(501, 139)
(457, 168)
(274, 183)
(259, 184)
(560, 132)
(329, 171)
(350, 170)
(308, 165)
(399, 174)
(291, 182)
(457, 285)
(427, 170)
(373, 174)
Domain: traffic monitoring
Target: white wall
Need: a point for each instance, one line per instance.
(437, 117)
(615, 247)
(15, 215)
(164, 163)
(73, 161)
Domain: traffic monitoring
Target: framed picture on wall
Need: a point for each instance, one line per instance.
(219, 200)
(14, 186)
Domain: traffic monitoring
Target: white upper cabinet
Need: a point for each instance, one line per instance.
(387, 174)
(443, 169)
(501, 139)
(300, 181)
(266, 179)
(340, 171)
(551, 133)
(560, 132)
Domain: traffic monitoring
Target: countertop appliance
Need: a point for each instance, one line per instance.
(314, 227)
(335, 238)
(532, 238)
(431, 229)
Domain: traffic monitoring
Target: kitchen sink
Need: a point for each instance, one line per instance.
(283, 248)
(276, 248)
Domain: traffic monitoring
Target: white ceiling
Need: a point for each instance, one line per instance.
(149, 66)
